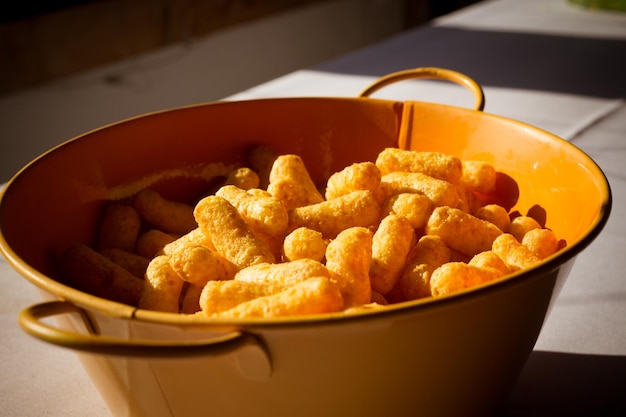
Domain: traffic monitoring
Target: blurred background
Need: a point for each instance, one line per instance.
(69, 66)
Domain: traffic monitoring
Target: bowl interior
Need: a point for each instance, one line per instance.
(57, 199)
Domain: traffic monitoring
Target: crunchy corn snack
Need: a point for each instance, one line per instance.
(513, 253)
(166, 215)
(152, 242)
(478, 176)
(489, 259)
(265, 215)
(194, 238)
(494, 214)
(130, 261)
(541, 242)
(428, 254)
(521, 225)
(230, 234)
(95, 274)
(461, 231)
(391, 244)
(119, 228)
(199, 265)
(348, 258)
(304, 243)
(358, 176)
(284, 274)
(456, 276)
(434, 164)
(162, 287)
(416, 208)
(440, 192)
(358, 208)
(244, 178)
(220, 296)
(316, 295)
(289, 181)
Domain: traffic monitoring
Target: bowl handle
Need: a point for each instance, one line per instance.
(433, 73)
(30, 319)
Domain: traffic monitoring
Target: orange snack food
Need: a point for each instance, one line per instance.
(391, 244)
(348, 258)
(462, 231)
(289, 181)
(94, 273)
(162, 287)
(434, 164)
(358, 176)
(166, 215)
(230, 234)
(358, 208)
(440, 192)
(119, 228)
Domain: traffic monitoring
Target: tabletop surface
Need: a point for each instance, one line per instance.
(543, 62)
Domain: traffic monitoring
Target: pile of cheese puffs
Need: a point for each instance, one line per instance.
(269, 242)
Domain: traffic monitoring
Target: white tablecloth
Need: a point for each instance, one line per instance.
(543, 62)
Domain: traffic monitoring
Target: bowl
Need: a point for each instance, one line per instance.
(448, 356)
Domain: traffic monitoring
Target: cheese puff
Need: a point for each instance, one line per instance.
(194, 238)
(428, 254)
(230, 234)
(92, 272)
(152, 242)
(259, 193)
(316, 295)
(541, 242)
(290, 183)
(285, 274)
(199, 265)
(456, 276)
(416, 208)
(513, 253)
(348, 258)
(358, 176)
(260, 159)
(489, 259)
(520, 225)
(478, 176)
(219, 296)
(265, 215)
(119, 228)
(243, 178)
(162, 287)
(190, 303)
(461, 231)
(166, 215)
(133, 263)
(358, 208)
(304, 243)
(494, 214)
(391, 244)
(440, 193)
(434, 164)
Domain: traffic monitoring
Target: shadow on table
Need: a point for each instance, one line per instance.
(556, 384)
(566, 64)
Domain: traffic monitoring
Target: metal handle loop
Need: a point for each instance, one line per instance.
(432, 73)
(30, 320)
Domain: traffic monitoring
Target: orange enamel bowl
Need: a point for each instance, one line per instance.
(450, 356)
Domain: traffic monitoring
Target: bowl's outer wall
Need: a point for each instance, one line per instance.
(458, 356)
